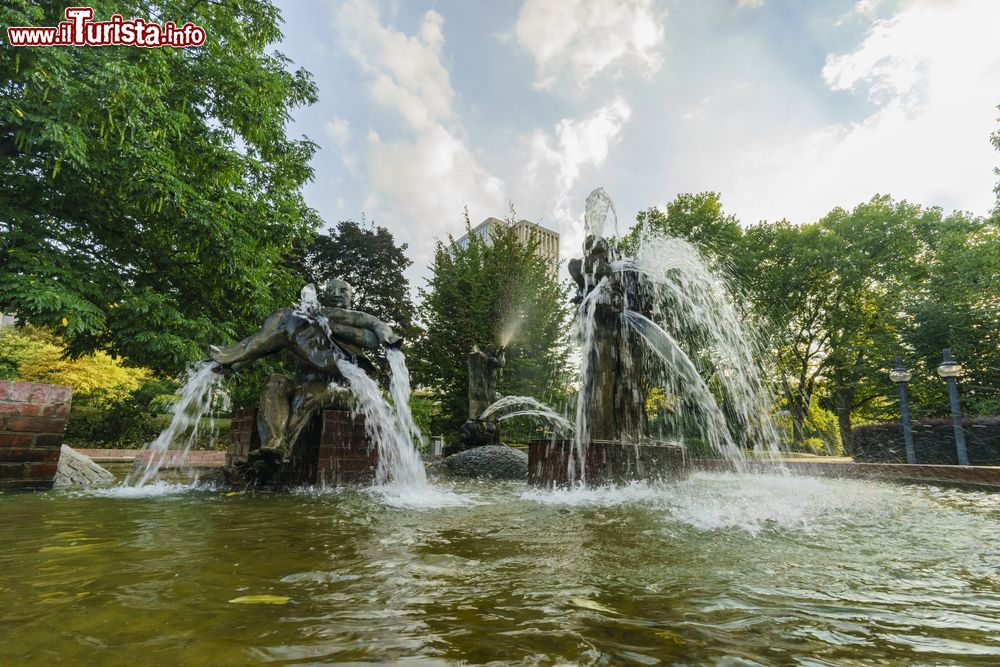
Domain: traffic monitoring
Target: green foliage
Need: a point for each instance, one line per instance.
(956, 305)
(832, 293)
(148, 197)
(368, 258)
(496, 292)
(697, 218)
(35, 355)
(841, 297)
(424, 409)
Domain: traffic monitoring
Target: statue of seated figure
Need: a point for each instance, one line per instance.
(317, 336)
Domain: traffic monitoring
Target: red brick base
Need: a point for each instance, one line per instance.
(606, 462)
(332, 450)
(32, 422)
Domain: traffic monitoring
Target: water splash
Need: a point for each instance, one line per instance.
(696, 305)
(535, 409)
(695, 348)
(390, 428)
(599, 207)
(195, 401)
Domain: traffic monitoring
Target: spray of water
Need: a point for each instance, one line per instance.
(695, 347)
(389, 428)
(194, 402)
(696, 305)
(535, 408)
(599, 207)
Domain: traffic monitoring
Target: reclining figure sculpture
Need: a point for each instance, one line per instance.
(317, 336)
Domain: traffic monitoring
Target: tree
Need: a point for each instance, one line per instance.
(498, 291)
(956, 306)
(697, 218)
(368, 258)
(148, 197)
(35, 355)
(832, 292)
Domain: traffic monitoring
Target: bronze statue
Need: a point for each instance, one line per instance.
(484, 369)
(613, 394)
(317, 336)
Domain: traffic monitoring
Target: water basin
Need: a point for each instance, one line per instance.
(714, 569)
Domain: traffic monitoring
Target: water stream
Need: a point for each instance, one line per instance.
(531, 407)
(195, 401)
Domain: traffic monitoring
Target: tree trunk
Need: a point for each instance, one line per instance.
(843, 402)
(844, 422)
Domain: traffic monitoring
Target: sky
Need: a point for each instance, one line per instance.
(786, 108)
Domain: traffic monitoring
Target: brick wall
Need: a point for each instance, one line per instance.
(606, 462)
(32, 422)
(332, 450)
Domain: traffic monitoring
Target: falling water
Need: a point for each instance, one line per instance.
(696, 305)
(586, 330)
(680, 376)
(194, 402)
(390, 428)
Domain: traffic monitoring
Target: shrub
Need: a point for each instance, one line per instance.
(933, 442)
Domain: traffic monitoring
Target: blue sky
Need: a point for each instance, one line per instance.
(787, 108)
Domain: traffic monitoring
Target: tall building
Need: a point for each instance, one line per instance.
(548, 240)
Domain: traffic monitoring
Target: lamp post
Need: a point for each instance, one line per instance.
(951, 370)
(901, 376)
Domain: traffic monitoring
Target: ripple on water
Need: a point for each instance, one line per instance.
(157, 489)
(775, 570)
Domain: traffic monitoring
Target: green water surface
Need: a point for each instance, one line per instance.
(715, 570)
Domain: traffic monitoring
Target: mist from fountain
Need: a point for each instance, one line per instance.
(695, 346)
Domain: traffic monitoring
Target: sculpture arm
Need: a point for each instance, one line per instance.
(271, 338)
(357, 319)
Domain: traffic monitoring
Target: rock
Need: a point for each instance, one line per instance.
(77, 469)
(491, 461)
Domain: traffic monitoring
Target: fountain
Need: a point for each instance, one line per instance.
(626, 309)
(330, 423)
(484, 370)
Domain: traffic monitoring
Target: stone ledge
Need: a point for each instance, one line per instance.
(982, 476)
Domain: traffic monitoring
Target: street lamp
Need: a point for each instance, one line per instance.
(951, 370)
(901, 376)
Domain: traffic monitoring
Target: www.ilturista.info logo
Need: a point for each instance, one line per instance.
(79, 30)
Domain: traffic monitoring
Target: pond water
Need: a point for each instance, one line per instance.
(717, 569)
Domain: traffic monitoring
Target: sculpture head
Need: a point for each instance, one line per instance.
(338, 293)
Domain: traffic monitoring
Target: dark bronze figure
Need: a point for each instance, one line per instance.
(317, 336)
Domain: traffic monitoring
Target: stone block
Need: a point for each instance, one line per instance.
(606, 462)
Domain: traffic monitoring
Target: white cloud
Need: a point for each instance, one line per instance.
(338, 130)
(556, 162)
(931, 72)
(583, 38)
(406, 72)
(753, 4)
(418, 184)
